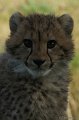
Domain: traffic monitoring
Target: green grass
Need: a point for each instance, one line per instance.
(32, 6)
(75, 62)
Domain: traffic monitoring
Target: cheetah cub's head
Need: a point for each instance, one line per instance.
(40, 41)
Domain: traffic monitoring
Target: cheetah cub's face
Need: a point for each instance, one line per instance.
(40, 41)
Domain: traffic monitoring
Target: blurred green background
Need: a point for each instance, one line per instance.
(57, 7)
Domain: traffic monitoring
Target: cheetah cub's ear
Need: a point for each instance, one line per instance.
(66, 22)
(15, 21)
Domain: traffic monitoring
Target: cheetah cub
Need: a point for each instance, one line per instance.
(34, 74)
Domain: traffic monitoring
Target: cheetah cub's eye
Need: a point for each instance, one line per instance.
(28, 43)
(51, 44)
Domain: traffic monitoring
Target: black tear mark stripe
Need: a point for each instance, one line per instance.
(50, 59)
(29, 54)
(31, 48)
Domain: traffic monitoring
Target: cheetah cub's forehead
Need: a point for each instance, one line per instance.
(52, 26)
(41, 21)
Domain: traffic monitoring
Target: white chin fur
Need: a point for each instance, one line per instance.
(38, 73)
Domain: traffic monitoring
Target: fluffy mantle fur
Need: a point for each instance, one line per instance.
(25, 96)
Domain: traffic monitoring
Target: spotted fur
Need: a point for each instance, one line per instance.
(26, 91)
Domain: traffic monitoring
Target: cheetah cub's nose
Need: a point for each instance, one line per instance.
(38, 62)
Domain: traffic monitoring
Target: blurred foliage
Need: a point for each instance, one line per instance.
(33, 6)
(57, 7)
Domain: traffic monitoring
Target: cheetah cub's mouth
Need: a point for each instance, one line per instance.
(38, 73)
(19, 67)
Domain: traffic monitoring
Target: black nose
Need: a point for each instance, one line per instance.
(38, 62)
